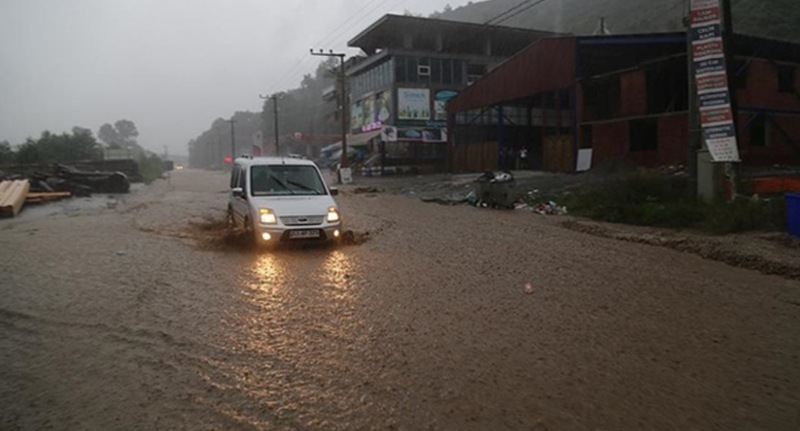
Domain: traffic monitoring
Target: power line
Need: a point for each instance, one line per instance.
(528, 7)
(490, 20)
(332, 39)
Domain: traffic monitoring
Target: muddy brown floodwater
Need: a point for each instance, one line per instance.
(141, 313)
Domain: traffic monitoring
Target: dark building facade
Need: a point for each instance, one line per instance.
(412, 67)
(573, 101)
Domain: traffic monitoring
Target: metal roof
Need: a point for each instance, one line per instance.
(387, 32)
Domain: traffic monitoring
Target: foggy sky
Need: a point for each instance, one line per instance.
(170, 66)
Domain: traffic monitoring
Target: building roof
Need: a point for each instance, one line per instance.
(546, 65)
(555, 63)
(388, 32)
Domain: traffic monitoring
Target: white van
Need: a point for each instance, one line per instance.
(279, 199)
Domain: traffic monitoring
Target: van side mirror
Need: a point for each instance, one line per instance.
(334, 191)
(237, 192)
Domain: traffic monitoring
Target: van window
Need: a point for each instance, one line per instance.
(234, 176)
(283, 180)
(240, 177)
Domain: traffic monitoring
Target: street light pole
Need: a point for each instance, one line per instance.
(274, 98)
(275, 111)
(343, 99)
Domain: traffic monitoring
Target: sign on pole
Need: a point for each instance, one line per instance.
(711, 75)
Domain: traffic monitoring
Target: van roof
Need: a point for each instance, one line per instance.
(249, 161)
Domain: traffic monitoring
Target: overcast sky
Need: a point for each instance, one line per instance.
(170, 66)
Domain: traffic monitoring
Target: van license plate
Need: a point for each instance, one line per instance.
(300, 234)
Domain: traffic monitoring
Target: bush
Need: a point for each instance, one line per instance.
(745, 215)
(655, 199)
(150, 167)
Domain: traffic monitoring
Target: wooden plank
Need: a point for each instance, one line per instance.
(12, 197)
(48, 195)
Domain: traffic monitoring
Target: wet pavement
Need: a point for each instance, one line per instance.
(140, 313)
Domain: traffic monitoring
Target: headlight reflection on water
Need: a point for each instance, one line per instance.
(338, 273)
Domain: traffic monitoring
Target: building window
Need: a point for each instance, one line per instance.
(436, 70)
(667, 88)
(586, 136)
(643, 134)
(400, 69)
(758, 132)
(786, 74)
(740, 74)
(475, 72)
(601, 98)
(458, 72)
(447, 71)
(411, 69)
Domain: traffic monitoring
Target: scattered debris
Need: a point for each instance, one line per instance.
(528, 288)
(362, 190)
(550, 208)
(98, 182)
(496, 190)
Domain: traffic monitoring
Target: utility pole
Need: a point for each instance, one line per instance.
(220, 151)
(233, 140)
(343, 103)
(274, 98)
(730, 62)
(275, 111)
(695, 138)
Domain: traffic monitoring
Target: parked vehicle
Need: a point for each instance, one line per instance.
(280, 200)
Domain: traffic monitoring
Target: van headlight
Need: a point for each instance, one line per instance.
(267, 216)
(333, 215)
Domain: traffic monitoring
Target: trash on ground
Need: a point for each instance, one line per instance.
(496, 190)
(528, 288)
(550, 208)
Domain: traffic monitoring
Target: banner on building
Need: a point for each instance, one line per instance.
(413, 104)
(440, 103)
(711, 76)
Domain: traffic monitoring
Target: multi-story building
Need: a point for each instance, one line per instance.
(410, 69)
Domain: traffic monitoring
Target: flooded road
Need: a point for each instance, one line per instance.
(141, 314)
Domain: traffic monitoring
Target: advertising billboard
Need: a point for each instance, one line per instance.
(413, 104)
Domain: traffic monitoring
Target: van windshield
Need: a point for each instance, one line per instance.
(285, 180)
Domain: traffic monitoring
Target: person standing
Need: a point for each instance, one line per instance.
(523, 158)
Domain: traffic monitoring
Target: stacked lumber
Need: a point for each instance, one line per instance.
(12, 197)
(41, 197)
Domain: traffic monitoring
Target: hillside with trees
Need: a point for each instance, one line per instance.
(82, 146)
(301, 110)
(776, 19)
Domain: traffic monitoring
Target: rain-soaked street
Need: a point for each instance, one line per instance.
(138, 313)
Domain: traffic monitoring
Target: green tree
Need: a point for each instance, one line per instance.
(7, 155)
(127, 131)
(108, 135)
(28, 153)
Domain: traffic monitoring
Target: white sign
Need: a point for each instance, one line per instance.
(346, 175)
(708, 59)
(584, 160)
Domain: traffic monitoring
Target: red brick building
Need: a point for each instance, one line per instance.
(620, 96)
